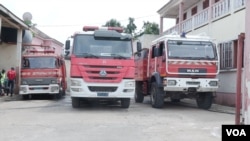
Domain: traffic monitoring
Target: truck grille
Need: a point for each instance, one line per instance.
(112, 74)
(102, 89)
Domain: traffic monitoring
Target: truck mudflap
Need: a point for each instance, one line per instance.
(39, 89)
(124, 89)
(190, 85)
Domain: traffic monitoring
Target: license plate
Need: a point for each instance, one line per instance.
(102, 94)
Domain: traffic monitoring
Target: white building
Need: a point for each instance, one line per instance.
(223, 20)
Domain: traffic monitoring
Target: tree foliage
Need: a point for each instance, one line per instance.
(113, 23)
(150, 28)
(131, 27)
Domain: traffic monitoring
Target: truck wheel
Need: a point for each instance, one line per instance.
(156, 96)
(62, 91)
(138, 92)
(25, 97)
(204, 100)
(125, 102)
(57, 96)
(75, 102)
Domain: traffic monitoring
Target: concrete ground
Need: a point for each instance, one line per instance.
(44, 118)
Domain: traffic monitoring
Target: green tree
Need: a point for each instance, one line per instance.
(131, 27)
(113, 23)
(150, 28)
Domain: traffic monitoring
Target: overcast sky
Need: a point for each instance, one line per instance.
(61, 18)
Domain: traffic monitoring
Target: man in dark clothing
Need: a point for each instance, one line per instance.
(11, 74)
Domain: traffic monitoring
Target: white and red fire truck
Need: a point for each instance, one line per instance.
(102, 65)
(43, 71)
(177, 67)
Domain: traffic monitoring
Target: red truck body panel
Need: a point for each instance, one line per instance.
(42, 68)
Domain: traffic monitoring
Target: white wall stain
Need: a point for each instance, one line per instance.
(246, 114)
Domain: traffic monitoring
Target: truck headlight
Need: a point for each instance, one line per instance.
(24, 89)
(130, 84)
(171, 82)
(54, 88)
(75, 83)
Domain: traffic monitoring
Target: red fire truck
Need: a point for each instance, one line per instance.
(43, 72)
(177, 67)
(102, 65)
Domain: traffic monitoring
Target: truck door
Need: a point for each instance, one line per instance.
(137, 65)
(152, 60)
(161, 59)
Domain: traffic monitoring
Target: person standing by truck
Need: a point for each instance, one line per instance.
(11, 74)
(3, 82)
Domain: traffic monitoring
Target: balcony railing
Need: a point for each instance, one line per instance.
(238, 4)
(201, 18)
(218, 10)
(187, 25)
(172, 30)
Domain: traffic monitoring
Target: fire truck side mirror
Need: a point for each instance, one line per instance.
(67, 44)
(138, 45)
(156, 52)
(67, 53)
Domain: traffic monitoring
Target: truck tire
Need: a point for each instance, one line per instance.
(125, 102)
(138, 92)
(204, 100)
(25, 97)
(58, 96)
(75, 102)
(156, 96)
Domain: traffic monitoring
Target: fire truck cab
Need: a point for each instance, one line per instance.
(42, 72)
(102, 66)
(177, 67)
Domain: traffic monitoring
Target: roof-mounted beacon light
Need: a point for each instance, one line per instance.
(183, 35)
(93, 28)
(90, 28)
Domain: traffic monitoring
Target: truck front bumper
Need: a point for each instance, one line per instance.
(39, 89)
(124, 89)
(191, 85)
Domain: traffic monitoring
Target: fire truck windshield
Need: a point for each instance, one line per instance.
(88, 46)
(194, 50)
(39, 62)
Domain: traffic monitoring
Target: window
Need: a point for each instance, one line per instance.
(154, 51)
(195, 50)
(227, 53)
(205, 4)
(216, 1)
(40, 62)
(101, 47)
(194, 10)
(184, 16)
(162, 49)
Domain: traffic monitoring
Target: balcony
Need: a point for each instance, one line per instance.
(218, 10)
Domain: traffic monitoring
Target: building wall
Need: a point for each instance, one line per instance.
(146, 40)
(222, 30)
(246, 84)
(8, 57)
(226, 28)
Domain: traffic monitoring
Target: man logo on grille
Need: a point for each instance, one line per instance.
(103, 73)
